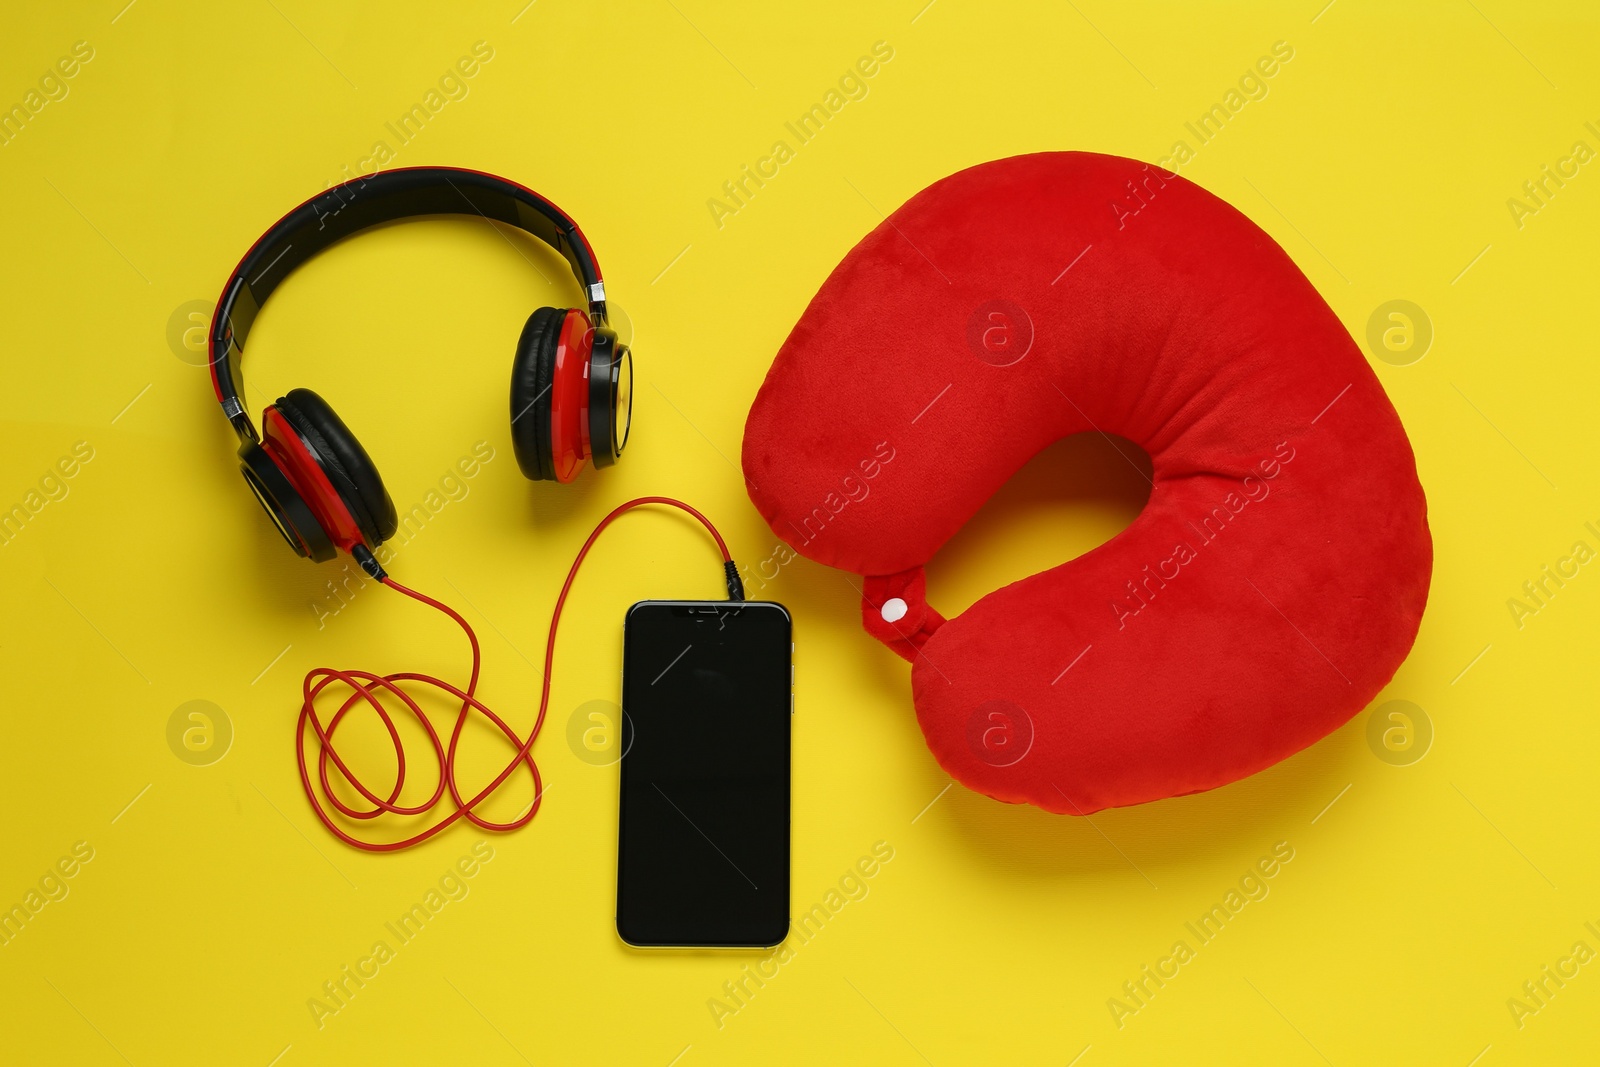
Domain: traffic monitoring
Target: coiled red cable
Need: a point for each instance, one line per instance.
(366, 688)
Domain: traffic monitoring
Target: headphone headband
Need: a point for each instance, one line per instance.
(360, 204)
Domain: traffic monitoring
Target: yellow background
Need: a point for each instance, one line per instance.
(215, 906)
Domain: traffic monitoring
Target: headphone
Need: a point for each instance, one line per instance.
(569, 402)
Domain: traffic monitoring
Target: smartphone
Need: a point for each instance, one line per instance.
(703, 822)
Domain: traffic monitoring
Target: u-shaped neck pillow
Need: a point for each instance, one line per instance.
(1269, 588)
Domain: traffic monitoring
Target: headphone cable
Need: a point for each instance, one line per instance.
(369, 689)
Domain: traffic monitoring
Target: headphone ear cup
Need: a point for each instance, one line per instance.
(283, 503)
(532, 375)
(347, 465)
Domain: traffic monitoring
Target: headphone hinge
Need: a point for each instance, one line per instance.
(241, 422)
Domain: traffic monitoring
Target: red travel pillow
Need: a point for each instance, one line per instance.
(1267, 591)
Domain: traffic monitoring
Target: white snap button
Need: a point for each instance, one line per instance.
(894, 609)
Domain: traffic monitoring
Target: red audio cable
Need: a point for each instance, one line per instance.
(366, 687)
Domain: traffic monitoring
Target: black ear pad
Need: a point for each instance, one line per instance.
(345, 462)
(532, 372)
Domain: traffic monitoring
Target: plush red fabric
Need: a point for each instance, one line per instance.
(1267, 591)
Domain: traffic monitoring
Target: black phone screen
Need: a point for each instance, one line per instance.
(703, 823)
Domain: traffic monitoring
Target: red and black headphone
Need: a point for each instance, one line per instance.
(569, 399)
